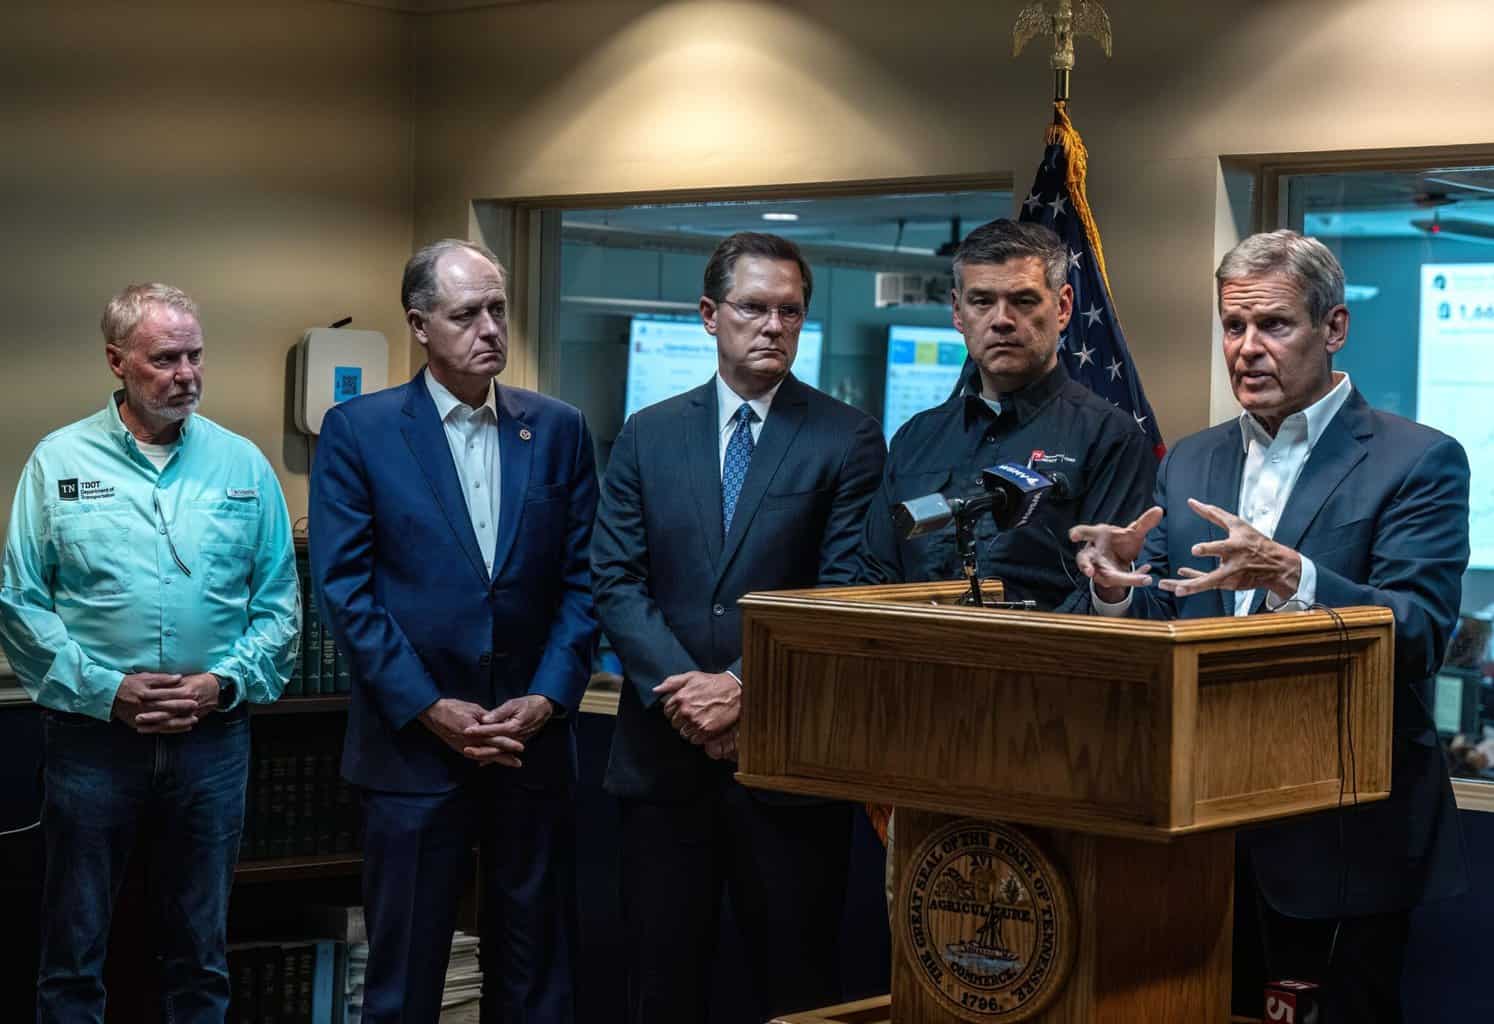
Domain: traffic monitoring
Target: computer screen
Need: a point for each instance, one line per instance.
(923, 365)
(1455, 380)
(668, 355)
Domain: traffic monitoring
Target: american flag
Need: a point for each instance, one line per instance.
(1093, 347)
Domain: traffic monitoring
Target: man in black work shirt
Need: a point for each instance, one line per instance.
(1012, 303)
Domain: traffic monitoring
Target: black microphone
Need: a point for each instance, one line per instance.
(918, 516)
(1012, 495)
(1018, 492)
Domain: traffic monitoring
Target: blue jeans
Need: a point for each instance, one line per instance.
(183, 796)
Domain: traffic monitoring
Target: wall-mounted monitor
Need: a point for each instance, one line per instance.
(1455, 380)
(923, 365)
(668, 355)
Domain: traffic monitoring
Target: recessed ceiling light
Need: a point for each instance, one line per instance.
(780, 216)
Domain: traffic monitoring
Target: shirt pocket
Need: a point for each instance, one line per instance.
(217, 521)
(91, 551)
(226, 569)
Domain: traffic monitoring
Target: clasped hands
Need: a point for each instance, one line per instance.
(1248, 559)
(704, 707)
(163, 702)
(495, 736)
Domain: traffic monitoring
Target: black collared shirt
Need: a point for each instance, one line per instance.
(1053, 424)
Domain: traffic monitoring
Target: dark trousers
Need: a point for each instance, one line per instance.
(1358, 961)
(782, 866)
(182, 796)
(416, 857)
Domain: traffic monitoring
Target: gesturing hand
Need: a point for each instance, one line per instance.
(514, 720)
(156, 702)
(1109, 551)
(450, 719)
(701, 705)
(1248, 559)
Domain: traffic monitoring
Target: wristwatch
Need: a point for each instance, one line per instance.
(227, 690)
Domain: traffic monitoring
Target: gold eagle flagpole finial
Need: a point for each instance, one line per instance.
(1072, 18)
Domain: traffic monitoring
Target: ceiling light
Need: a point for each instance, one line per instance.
(780, 216)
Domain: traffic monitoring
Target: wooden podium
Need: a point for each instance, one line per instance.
(1067, 786)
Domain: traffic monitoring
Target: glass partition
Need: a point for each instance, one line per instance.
(1417, 247)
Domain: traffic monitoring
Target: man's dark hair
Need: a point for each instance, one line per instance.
(718, 271)
(419, 288)
(1003, 240)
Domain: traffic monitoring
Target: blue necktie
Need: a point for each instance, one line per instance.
(734, 469)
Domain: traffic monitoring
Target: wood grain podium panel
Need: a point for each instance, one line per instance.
(1137, 729)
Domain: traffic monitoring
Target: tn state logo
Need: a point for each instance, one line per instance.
(987, 920)
(67, 490)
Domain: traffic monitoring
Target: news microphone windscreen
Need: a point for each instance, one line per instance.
(1021, 489)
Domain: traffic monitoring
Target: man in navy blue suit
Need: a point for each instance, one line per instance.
(450, 521)
(752, 481)
(1312, 497)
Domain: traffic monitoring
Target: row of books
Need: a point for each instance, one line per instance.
(297, 802)
(319, 977)
(321, 667)
(288, 982)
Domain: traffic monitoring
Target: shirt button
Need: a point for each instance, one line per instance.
(167, 581)
(717, 610)
(169, 632)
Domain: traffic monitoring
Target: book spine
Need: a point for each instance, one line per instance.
(329, 661)
(311, 650)
(308, 787)
(263, 788)
(269, 985)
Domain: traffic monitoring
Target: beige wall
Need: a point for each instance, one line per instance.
(257, 155)
(552, 99)
(278, 160)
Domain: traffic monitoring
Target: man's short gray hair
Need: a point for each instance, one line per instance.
(419, 288)
(1307, 261)
(125, 311)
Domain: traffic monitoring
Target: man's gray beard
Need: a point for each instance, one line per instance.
(175, 413)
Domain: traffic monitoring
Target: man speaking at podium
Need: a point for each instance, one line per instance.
(1313, 498)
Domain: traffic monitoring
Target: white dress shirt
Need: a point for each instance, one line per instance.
(727, 404)
(473, 437)
(1272, 468)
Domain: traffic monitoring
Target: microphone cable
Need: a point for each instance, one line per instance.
(1348, 780)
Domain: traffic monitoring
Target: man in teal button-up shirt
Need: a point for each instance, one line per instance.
(148, 590)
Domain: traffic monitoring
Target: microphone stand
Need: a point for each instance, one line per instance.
(966, 514)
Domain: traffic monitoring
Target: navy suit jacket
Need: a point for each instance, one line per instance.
(401, 580)
(1381, 508)
(667, 582)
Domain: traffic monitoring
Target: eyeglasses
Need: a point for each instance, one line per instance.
(755, 311)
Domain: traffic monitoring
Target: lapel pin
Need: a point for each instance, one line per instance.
(524, 434)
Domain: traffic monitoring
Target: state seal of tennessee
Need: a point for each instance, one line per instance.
(987, 921)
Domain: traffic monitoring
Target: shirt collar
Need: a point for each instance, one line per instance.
(447, 403)
(1025, 403)
(1313, 420)
(121, 433)
(728, 402)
